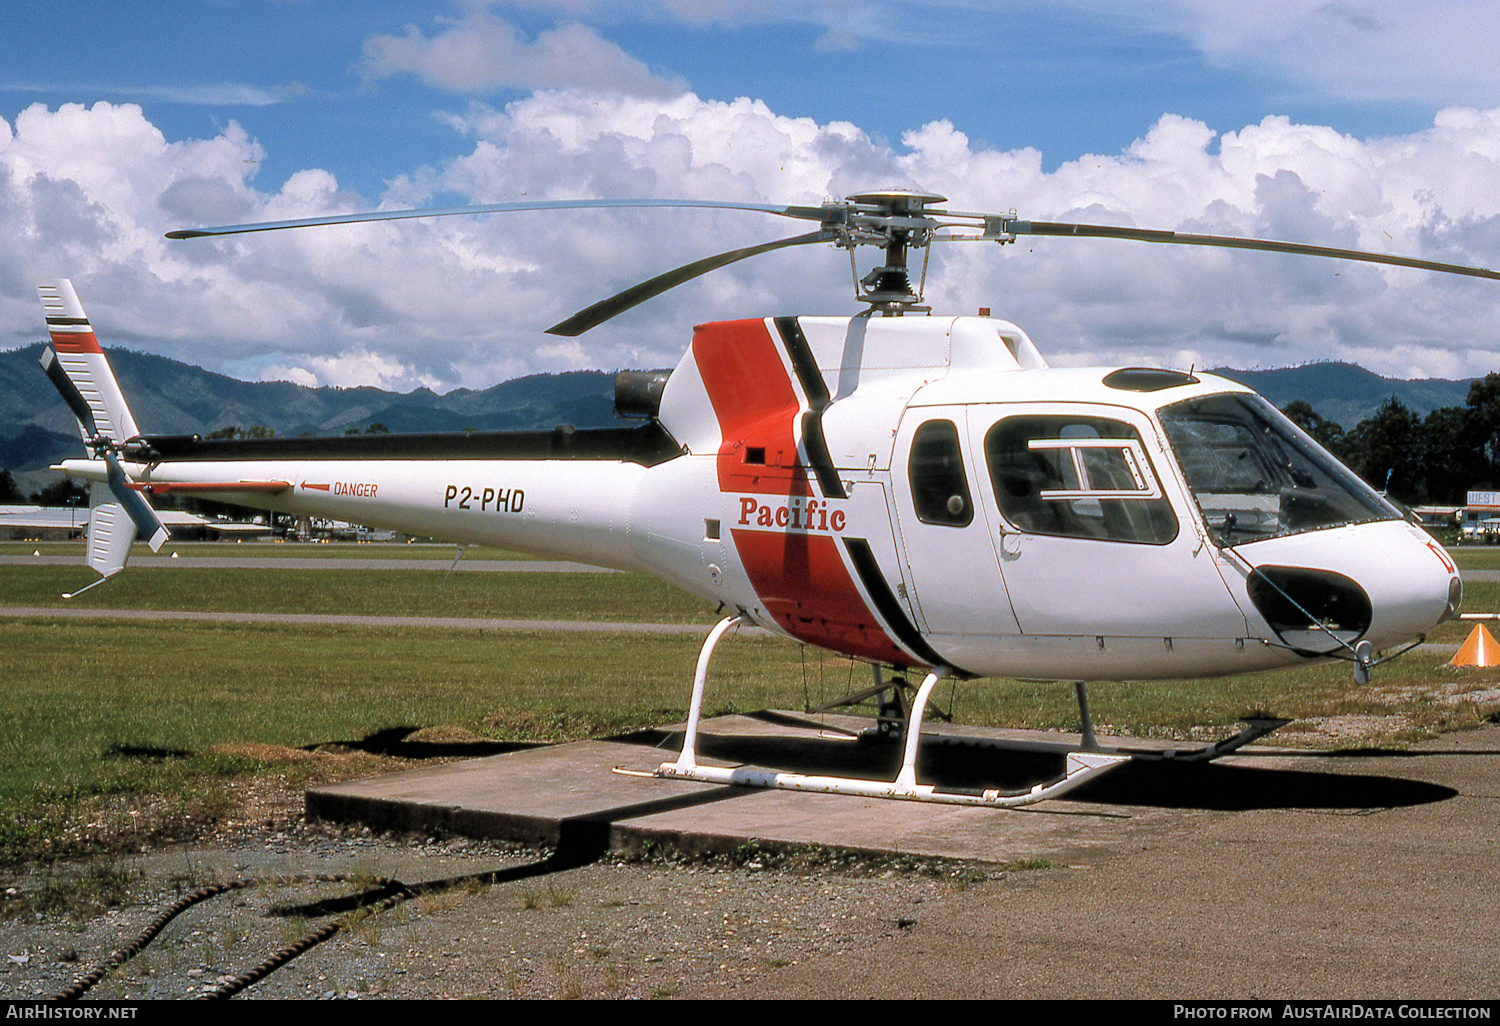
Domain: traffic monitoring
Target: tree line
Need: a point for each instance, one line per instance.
(1433, 459)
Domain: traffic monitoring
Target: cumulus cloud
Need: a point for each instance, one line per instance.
(481, 53)
(350, 369)
(464, 301)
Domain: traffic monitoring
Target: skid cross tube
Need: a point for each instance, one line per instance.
(1081, 765)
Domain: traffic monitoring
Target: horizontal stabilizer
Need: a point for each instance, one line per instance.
(109, 535)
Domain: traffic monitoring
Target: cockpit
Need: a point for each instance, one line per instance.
(1256, 475)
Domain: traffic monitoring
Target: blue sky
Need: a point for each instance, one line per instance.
(1344, 122)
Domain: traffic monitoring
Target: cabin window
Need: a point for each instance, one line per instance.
(1079, 477)
(939, 487)
(1256, 475)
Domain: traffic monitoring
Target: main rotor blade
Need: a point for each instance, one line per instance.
(603, 310)
(1094, 231)
(804, 213)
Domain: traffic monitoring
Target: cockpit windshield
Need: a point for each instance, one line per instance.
(1256, 475)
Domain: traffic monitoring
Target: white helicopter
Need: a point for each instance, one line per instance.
(918, 492)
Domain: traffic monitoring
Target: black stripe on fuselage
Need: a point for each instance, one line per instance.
(647, 445)
(803, 362)
(886, 604)
(805, 366)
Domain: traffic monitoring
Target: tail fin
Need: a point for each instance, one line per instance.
(108, 537)
(78, 368)
(76, 365)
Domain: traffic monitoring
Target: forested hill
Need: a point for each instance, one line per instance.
(1347, 394)
(169, 397)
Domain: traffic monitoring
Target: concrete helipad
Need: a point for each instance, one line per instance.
(568, 795)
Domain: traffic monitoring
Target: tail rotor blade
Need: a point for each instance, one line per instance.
(69, 391)
(140, 512)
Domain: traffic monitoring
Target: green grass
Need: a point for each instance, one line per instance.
(1476, 557)
(633, 598)
(91, 705)
(102, 718)
(78, 695)
(278, 550)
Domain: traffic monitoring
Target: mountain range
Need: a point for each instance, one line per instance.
(170, 397)
(1346, 393)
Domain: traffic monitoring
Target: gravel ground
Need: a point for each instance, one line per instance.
(499, 923)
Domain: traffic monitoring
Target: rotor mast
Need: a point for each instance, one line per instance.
(895, 220)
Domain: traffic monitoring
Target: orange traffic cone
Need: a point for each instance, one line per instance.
(1479, 649)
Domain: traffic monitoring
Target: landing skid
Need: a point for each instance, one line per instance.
(1255, 728)
(902, 715)
(1084, 762)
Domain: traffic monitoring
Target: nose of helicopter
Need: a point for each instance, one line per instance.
(1388, 583)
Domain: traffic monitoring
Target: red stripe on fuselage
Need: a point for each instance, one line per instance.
(802, 582)
(752, 397)
(75, 342)
(800, 577)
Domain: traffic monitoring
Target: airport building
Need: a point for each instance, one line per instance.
(1481, 516)
(62, 523)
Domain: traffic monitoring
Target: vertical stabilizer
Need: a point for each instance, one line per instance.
(110, 532)
(76, 366)
(77, 357)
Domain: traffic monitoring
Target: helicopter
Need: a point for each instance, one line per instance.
(918, 492)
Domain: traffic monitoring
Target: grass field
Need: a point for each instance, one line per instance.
(1476, 557)
(103, 713)
(631, 598)
(279, 550)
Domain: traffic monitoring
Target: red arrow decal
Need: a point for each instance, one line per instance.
(319, 487)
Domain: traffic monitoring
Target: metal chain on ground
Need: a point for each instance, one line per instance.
(313, 939)
(120, 956)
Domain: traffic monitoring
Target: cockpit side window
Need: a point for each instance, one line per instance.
(1081, 477)
(939, 487)
(1256, 475)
